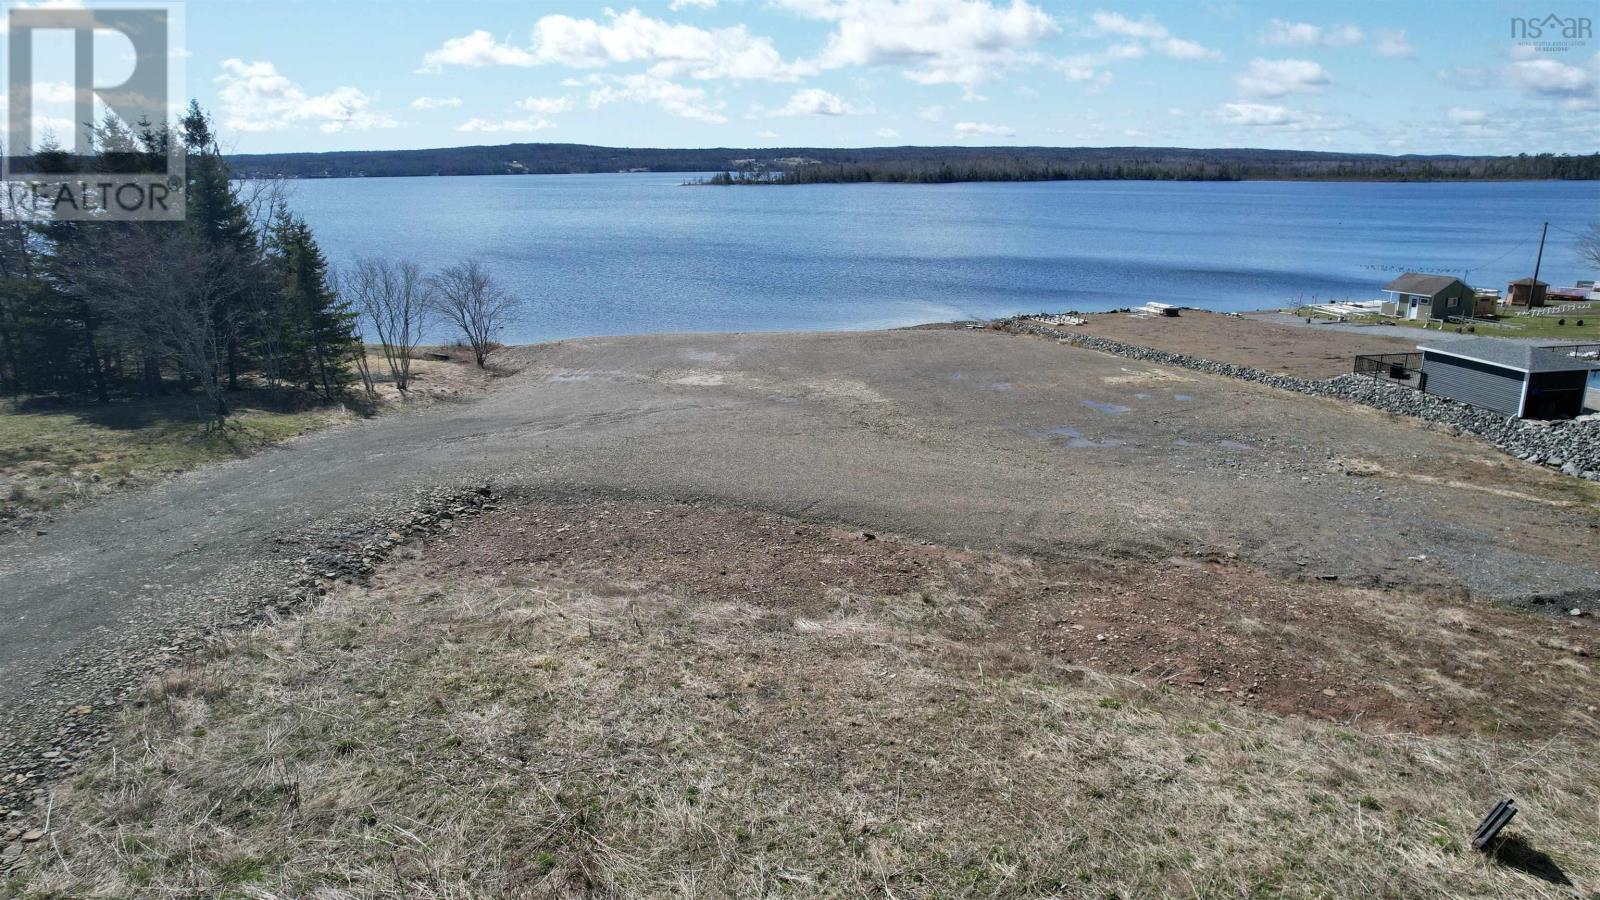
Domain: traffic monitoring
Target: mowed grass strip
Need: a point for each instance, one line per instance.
(501, 735)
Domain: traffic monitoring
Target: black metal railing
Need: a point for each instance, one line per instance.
(1590, 352)
(1402, 367)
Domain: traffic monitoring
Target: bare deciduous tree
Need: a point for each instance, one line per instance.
(1589, 245)
(358, 349)
(469, 298)
(262, 200)
(165, 283)
(396, 300)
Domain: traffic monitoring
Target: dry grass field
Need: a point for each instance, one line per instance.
(583, 700)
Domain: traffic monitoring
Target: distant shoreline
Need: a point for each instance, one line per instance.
(1327, 179)
(945, 164)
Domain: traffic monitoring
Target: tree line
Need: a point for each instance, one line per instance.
(922, 163)
(1231, 166)
(236, 295)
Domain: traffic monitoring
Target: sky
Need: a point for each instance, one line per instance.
(1388, 77)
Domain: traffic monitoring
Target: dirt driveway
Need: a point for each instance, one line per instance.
(963, 438)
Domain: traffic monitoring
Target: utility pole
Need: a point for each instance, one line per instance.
(1538, 259)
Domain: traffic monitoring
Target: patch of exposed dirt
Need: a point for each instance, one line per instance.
(1206, 625)
(437, 373)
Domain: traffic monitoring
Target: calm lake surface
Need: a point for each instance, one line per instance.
(616, 254)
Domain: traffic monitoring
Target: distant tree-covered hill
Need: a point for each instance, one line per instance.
(800, 165)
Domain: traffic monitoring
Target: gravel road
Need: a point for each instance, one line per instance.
(961, 437)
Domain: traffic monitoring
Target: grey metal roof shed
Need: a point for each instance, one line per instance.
(1513, 379)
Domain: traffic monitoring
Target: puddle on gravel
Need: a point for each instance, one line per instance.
(998, 386)
(1182, 398)
(1110, 409)
(1075, 439)
(1235, 445)
(1141, 396)
(564, 377)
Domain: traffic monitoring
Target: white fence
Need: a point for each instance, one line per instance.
(1565, 309)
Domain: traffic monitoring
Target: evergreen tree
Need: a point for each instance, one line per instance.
(316, 330)
(214, 211)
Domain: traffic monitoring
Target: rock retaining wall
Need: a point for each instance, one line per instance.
(1570, 447)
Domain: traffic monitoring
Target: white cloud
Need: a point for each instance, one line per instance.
(1119, 24)
(1573, 88)
(54, 92)
(1135, 39)
(39, 4)
(532, 123)
(436, 103)
(1276, 77)
(767, 135)
(1291, 34)
(677, 5)
(625, 37)
(677, 99)
(816, 102)
(1269, 115)
(1385, 42)
(1551, 78)
(887, 133)
(1394, 44)
(1304, 34)
(1255, 114)
(932, 113)
(1088, 68)
(983, 129)
(255, 97)
(545, 105)
(476, 50)
(1467, 116)
(936, 41)
(1178, 48)
(1150, 34)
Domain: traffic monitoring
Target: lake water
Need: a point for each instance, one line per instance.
(615, 254)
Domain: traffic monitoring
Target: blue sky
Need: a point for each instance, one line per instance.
(1393, 77)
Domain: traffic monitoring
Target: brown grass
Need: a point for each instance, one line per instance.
(55, 454)
(1300, 351)
(564, 726)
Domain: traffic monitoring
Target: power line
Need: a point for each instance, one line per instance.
(1578, 234)
(1523, 243)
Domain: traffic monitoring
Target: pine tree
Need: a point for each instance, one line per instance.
(317, 330)
(214, 211)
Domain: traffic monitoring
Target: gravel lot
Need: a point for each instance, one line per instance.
(964, 438)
